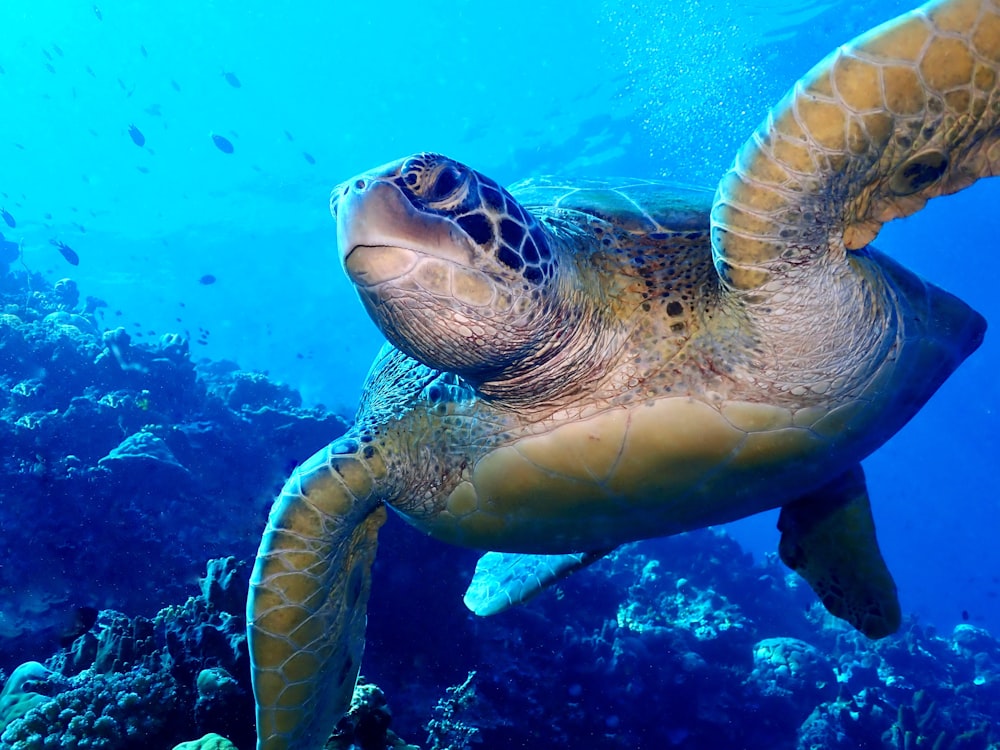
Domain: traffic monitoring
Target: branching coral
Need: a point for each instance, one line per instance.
(119, 711)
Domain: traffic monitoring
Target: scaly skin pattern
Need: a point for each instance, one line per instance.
(902, 114)
(309, 596)
(574, 367)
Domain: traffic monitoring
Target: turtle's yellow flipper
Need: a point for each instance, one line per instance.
(828, 538)
(904, 113)
(308, 599)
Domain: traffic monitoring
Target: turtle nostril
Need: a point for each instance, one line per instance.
(360, 184)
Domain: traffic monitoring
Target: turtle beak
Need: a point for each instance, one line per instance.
(343, 190)
(381, 233)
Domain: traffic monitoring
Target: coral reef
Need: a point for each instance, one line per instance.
(140, 683)
(452, 727)
(131, 683)
(117, 711)
(18, 696)
(726, 653)
(563, 670)
(366, 725)
(109, 437)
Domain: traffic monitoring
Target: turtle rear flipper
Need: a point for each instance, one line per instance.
(505, 579)
(828, 538)
(308, 601)
(904, 113)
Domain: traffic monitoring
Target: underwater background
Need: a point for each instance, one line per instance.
(174, 161)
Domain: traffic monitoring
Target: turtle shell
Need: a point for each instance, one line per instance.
(637, 206)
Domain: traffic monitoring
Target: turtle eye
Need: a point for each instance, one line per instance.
(448, 179)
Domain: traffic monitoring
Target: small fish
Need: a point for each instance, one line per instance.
(308, 157)
(176, 86)
(66, 252)
(289, 136)
(136, 135)
(90, 72)
(142, 49)
(97, 12)
(7, 218)
(50, 68)
(144, 170)
(965, 615)
(223, 144)
(207, 279)
(48, 57)
(2, 71)
(57, 49)
(154, 110)
(232, 80)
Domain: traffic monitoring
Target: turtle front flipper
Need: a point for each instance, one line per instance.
(904, 113)
(308, 601)
(828, 538)
(505, 579)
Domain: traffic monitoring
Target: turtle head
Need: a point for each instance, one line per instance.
(452, 270)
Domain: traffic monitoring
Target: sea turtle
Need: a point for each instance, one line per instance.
(575, 365)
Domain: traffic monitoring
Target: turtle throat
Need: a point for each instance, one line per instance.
(514, 344)
(571, 349)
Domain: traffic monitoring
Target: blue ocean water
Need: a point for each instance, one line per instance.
(186, 152)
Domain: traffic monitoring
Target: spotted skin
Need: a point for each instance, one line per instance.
(665, 364)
